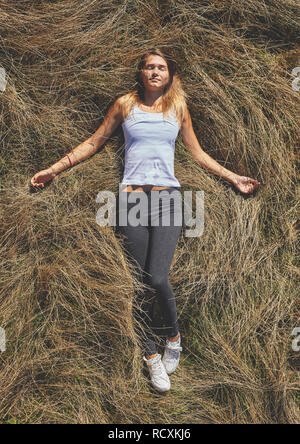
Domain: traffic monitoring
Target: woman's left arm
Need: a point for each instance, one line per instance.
(242, 183)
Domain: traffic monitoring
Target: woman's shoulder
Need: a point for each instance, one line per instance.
(124, 99)
(125, 104)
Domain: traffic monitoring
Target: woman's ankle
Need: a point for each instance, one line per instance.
(174, 338)
(151, 356)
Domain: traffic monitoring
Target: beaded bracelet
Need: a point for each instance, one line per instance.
(69, 159)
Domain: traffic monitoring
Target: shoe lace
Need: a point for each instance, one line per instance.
(174, 352)
(157, 368)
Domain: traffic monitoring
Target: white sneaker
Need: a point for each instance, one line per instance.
(171, 356)
(159, 378)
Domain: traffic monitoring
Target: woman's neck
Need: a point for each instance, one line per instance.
(152, 98)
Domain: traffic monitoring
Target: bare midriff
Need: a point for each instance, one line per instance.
(130, 188)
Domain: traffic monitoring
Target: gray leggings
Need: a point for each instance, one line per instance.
(153, 248)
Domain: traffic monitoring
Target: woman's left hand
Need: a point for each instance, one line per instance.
(246, 184)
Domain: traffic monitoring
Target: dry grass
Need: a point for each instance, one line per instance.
(66, 289)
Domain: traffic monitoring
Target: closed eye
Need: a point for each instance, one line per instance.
(163, 67)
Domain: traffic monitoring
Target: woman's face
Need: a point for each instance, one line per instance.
(155, 74)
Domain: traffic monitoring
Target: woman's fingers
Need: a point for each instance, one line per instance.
(255, 182)
(252, 183)
(35, 183)
(247, 184)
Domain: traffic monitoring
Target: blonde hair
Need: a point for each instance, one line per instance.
(173, 98)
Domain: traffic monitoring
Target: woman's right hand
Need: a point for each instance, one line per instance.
(43, 176)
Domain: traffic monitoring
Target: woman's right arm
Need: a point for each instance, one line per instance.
(86, 149)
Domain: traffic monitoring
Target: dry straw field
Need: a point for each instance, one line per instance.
(67, 290)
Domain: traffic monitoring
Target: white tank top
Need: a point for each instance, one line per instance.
(149, 148)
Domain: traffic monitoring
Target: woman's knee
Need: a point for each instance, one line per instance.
(159, 282)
